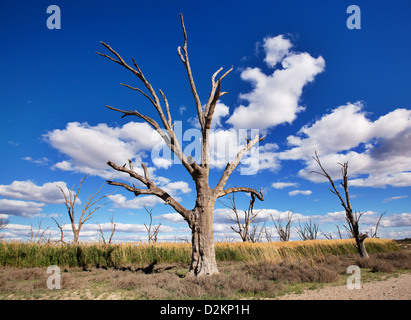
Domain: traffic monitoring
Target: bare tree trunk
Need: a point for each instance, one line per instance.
(76, 233)
(203, 260)
(355, 230)
(351, 218)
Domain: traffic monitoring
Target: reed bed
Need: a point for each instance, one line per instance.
(26, 254)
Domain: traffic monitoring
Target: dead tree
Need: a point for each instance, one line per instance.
(256, 233)
(374, 232)
(60, 225)
(243, 228)
(328, 236)
(200, 218)
(308, 231)
(152, 231)
(283, 232)
(90, 206)
(339, 231)
(37, 236)
(351, 217)
(3, 225)
(112, 229)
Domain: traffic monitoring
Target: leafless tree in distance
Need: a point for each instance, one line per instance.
(89, 207)
(328, 236)
(308, 231)
(152, 231)
(112, 230)
(243, 227)
(352, 218)
(200, 218)
(37, 236)
(284, 232)
(374, 232)
(256, 232)
(60, 225)
(3, 225)
(339, 231)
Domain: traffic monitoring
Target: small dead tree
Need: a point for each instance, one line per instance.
(339, 231)
(3, 225)
(328, 236)
(351, 217)
(283, 232)
(112, 229)
(308, 231)
(152, 231)
(60, 225)
(268, 234)
(256, 233)
(249, 215)
(374, 232)
(37, 236)
(89, 208)
(200, 218)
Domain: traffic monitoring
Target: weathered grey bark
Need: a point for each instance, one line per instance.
(203, 260)
(200, 218)
(351, 218)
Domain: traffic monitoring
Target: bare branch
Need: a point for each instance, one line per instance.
(259, 195)
(139, 90)
(374, 234)
(152, 188)
(215, 93)
(60, 226)
(167, 108)
(325, 174)
(233, 164)
(113, 229)
(185, 60)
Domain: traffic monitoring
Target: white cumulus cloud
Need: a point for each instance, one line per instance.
(89, 148)
(28, 190)
(378, 152)
(274, 98)
(297, 192)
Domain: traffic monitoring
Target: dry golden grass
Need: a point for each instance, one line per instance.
(25, 254)
(237, 280)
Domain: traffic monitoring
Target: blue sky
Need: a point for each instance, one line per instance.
(300, 76)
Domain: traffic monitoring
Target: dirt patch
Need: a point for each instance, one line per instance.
(394, 288)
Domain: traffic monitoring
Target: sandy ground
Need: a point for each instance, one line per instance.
(394, 288)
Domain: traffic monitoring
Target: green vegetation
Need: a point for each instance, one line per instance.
(25, 254)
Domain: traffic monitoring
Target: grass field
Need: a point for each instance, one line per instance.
(140, 271)
(25, 254)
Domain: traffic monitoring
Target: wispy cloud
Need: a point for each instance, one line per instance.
(297, 192)
(394, 198)
(39, 161)
(281, 185)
